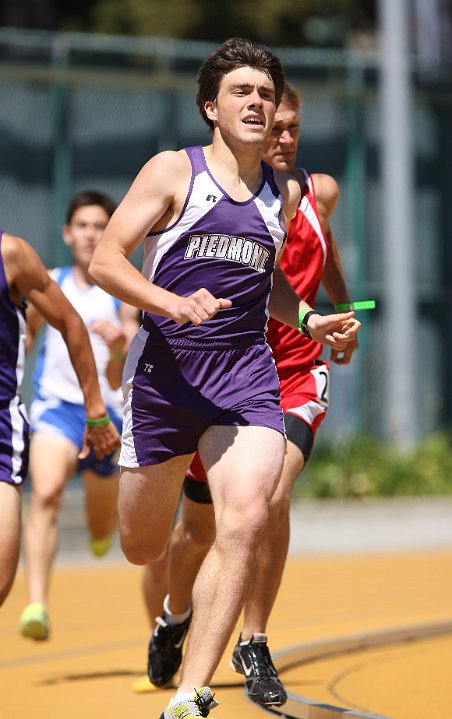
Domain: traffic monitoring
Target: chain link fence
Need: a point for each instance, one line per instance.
(86, 112)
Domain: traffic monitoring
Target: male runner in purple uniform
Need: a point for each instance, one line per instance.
(199, 373)
(23, 275)
(310, 257)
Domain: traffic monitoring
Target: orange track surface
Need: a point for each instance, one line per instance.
(99, 640)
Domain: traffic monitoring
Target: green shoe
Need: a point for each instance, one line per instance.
(34, 622)
(101, 546)
(199, 705)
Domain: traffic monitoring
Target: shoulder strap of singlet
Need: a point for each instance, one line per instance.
(309, 184)
(61, 274)
(305, 182)
(4, 284)
(269, 177)
(196, 155)
(2, 268)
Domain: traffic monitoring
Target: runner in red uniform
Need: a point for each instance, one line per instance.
(310, 257)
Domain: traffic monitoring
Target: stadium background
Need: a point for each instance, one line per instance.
(85, 111)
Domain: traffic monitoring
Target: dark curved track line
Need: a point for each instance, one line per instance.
(298, 707)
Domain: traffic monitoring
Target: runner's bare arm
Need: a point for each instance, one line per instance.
(333, 277)
(335, 330)
(34, 322)
(28, 276)
(155, 198)
(117, 337)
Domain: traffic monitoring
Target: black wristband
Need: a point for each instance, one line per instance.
(304, 322)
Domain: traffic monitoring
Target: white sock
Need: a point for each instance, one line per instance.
(183, 697)
(172, 618)
(258, 637)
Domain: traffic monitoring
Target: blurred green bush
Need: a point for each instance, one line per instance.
(365, 467)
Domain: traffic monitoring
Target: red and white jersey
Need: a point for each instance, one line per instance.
(302, 261)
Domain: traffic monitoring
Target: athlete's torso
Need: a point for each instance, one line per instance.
(12, 340)
(228, 247)
(303, 261)
(54, 374)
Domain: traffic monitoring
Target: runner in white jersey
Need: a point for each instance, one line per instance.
(199, 372)
(23, 275)
(54, 375)
(57, 412)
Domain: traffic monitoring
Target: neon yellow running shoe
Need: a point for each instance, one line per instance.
(199, 705)
(101, 546)
(34, 622)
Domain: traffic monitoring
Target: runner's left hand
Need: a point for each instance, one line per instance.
(344, 356)
(336, 330)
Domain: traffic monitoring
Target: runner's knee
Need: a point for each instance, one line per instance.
(197, 536)
(243, 523)
(279, 506)
(139, 550)
(46, 497)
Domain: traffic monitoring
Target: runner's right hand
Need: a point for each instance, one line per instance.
(102, 440)
(198, 307)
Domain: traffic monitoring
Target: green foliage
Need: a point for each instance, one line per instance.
(282, 23)
(158, 18)
(367, 468)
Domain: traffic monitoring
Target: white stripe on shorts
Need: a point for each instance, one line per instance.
(17, 413)
(128, 456)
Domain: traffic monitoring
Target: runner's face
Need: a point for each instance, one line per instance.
(245, 106)
(281, 146)
(84, 232)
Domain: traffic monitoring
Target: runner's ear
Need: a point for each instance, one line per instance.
(210, 108)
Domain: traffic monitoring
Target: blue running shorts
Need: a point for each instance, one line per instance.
(54, 416)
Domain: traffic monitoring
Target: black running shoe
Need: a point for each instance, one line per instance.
(165, 651)
(261, 678)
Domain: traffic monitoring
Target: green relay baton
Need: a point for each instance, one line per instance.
(363, 305)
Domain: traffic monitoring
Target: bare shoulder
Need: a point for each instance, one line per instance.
(160, 180)
(11, 246)
(13, 254)
(23, 267)
(288, 185)
(326, 188)
(290, 190)
(168, 164)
